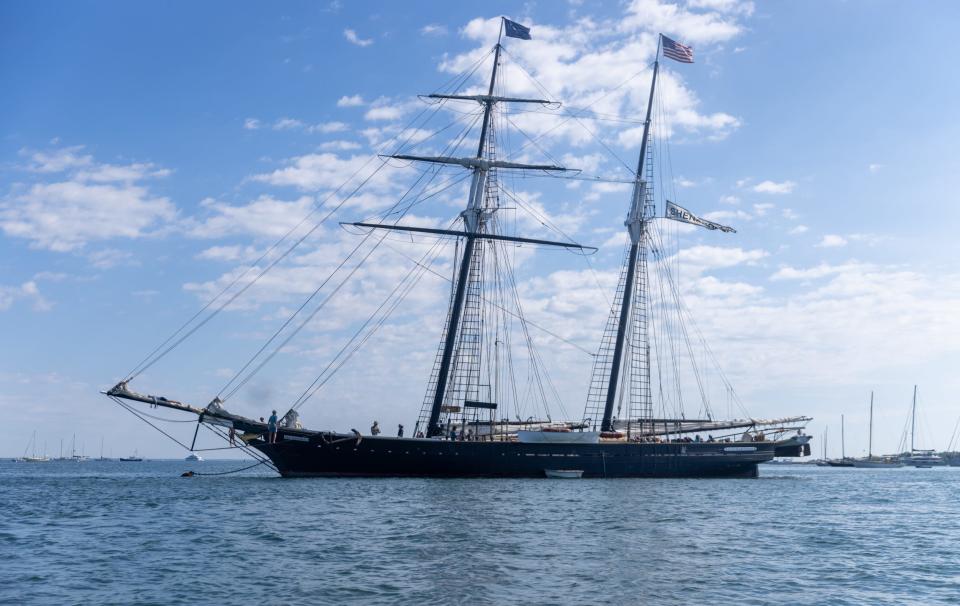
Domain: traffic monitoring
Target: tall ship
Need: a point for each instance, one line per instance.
(470, 422)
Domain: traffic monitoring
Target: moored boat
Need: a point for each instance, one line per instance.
(921, 459)
(872, 462)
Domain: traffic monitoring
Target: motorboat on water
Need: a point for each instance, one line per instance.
(193, 457)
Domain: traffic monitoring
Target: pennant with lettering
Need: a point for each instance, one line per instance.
(679, 213)
(514, 30)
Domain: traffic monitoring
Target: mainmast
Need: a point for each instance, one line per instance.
(870, 442)
(636, 225)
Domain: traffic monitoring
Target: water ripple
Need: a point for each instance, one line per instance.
(112, 533)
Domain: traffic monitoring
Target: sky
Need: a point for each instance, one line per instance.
(150, 153)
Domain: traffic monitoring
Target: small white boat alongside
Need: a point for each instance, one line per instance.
(193, 457)
(564, 474)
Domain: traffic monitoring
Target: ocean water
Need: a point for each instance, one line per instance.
(137, 533)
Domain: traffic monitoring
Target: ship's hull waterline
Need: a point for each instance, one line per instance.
(331, 455)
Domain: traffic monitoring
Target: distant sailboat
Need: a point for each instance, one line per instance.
(952, 456)
(33, 457)
(871, 462)
(921, 459)
(843, 461)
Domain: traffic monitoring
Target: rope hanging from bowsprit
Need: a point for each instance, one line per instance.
(190, 474)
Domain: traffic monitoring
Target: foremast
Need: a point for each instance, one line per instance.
(474, 218)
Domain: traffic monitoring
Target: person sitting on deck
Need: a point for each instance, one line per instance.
(399, 431)
(272, 427)
(453, 432)
(375, 429)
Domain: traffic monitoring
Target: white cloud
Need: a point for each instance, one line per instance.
(832, 241)
(874, 168)
(702, 258)
(26, 291)
(58, 160)
(350, 101)
(789, 214)
(93, 202)
(799, 229)
(264, 217)
(339, 145)
(729, 200)
(387, 109)
(353, 38)
(251, 124)
(868, 239)
(738, 7)
(328, 127)
(313, 171)
(762, 208)
(824, 269)
(772, 187)
(287, 124)
(585, 66)
(434, 29)
(110, 257)
(107, 173)
(689, 26)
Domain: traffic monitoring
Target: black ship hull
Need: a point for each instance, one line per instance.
(337, 455)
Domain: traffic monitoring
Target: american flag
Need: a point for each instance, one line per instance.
(676, 51)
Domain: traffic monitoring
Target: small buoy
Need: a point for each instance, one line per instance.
(187, 474)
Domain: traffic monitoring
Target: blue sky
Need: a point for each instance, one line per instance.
(146, 153)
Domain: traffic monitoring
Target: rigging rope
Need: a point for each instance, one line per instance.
(156, 354)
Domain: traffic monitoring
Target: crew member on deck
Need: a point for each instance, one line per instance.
(272, 428)
(399, 431)
(375, 429)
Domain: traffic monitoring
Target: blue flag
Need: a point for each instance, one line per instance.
(515, 30)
